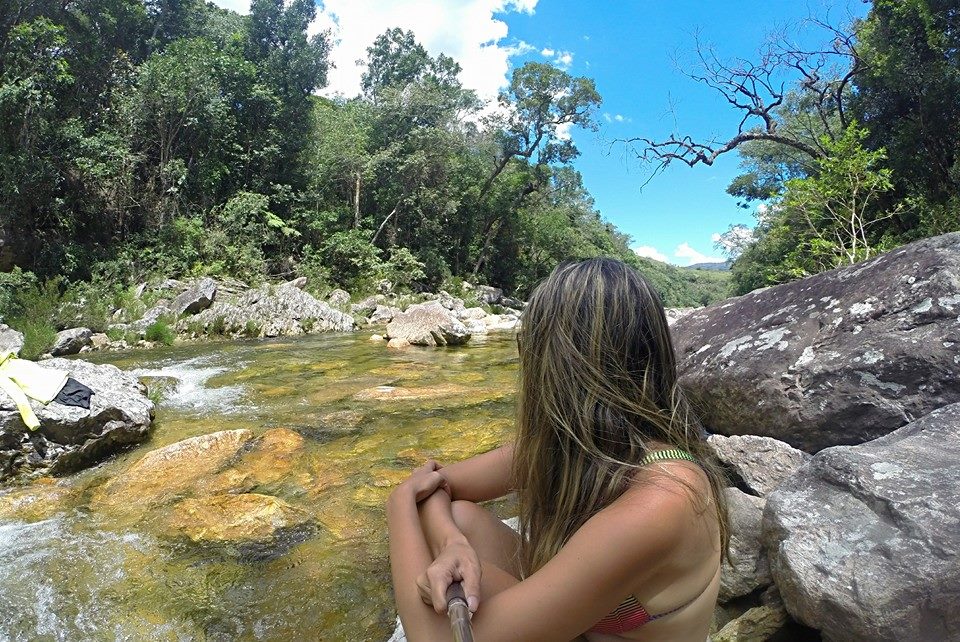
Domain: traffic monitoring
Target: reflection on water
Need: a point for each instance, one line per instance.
(326, 425)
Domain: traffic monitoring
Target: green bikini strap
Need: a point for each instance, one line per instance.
(665, 455)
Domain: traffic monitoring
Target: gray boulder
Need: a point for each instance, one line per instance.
(300, 282)
(70, 438)
(510, 302)
(838, 358)
(488, 294)
(366, 307)
(383, 314)
(747, 569)
(196, 298)
(428, 324)
(149, 317)
(272, 311)
(338, 298)
(757, 463)
(864, 541)
(71, 341)
(675, 314)
(10, 339)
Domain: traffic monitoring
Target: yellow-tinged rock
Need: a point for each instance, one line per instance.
(400, 393)
(191, 466)
(272, 456)
(347, 520)
(389, 477)
(247, 517)
(756, 625)
(41, 500)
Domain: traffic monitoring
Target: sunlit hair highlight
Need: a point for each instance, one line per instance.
(598, 386)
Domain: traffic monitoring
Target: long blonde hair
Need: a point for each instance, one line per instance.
(598, 385)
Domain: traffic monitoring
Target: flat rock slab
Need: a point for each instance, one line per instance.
(838, 358)
(864, 541)
(759, 464)
(70, 438)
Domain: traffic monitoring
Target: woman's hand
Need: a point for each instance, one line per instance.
(425, 480)
(457, 562)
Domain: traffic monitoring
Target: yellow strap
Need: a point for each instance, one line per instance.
(23, 404)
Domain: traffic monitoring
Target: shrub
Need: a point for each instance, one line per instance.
(219, 326)
(160, 331)
(115, 334)
(251, 328)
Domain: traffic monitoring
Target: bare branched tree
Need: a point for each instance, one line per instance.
(759, 89)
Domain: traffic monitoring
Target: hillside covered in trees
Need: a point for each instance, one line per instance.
(174, 138)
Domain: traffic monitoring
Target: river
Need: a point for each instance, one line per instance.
(79, 560)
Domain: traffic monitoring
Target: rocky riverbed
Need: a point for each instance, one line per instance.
(254, 510)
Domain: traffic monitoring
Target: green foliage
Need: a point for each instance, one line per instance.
(402, 268)
(353, 260)
(821, 221)
(160, 331)
(251, 328)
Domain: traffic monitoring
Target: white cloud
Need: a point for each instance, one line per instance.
(562, 59)
(691, 256)
(466, 30)
(620, 118)
(651, 252)
(563, 131)
(240, 6)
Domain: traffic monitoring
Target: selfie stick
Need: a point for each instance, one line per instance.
(459, 613)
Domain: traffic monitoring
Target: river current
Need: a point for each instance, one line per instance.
(79, 560)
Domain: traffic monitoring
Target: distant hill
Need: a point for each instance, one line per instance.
(713, 267)
(682, 287)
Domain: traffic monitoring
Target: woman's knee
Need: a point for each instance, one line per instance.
(466, 515)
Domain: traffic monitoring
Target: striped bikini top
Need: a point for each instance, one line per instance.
(631, 614)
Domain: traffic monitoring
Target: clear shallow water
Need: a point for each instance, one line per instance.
(80, 560)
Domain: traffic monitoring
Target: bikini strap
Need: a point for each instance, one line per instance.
(666, 455)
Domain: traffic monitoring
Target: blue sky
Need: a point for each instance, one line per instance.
(632, 48)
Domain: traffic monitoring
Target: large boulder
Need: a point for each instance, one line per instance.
(70, 438)
(196, 298)
(747, 569)
(757, 464)
(488, 294)
(428, 324)
(864, 541)
(71, 341)
(10, 339)
(338, 298)
(838, 358)
(271, 311)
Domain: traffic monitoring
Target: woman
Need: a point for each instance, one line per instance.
(622, 521)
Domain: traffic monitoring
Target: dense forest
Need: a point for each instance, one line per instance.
(173, 138)
(849, 149)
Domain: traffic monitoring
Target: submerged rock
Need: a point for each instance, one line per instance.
(70, 438)
(428, 324)
(864, 541)
(838, 358)
(264, 526)
(191, 465)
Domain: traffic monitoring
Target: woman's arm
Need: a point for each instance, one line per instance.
(614, 551)
(481, 478)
